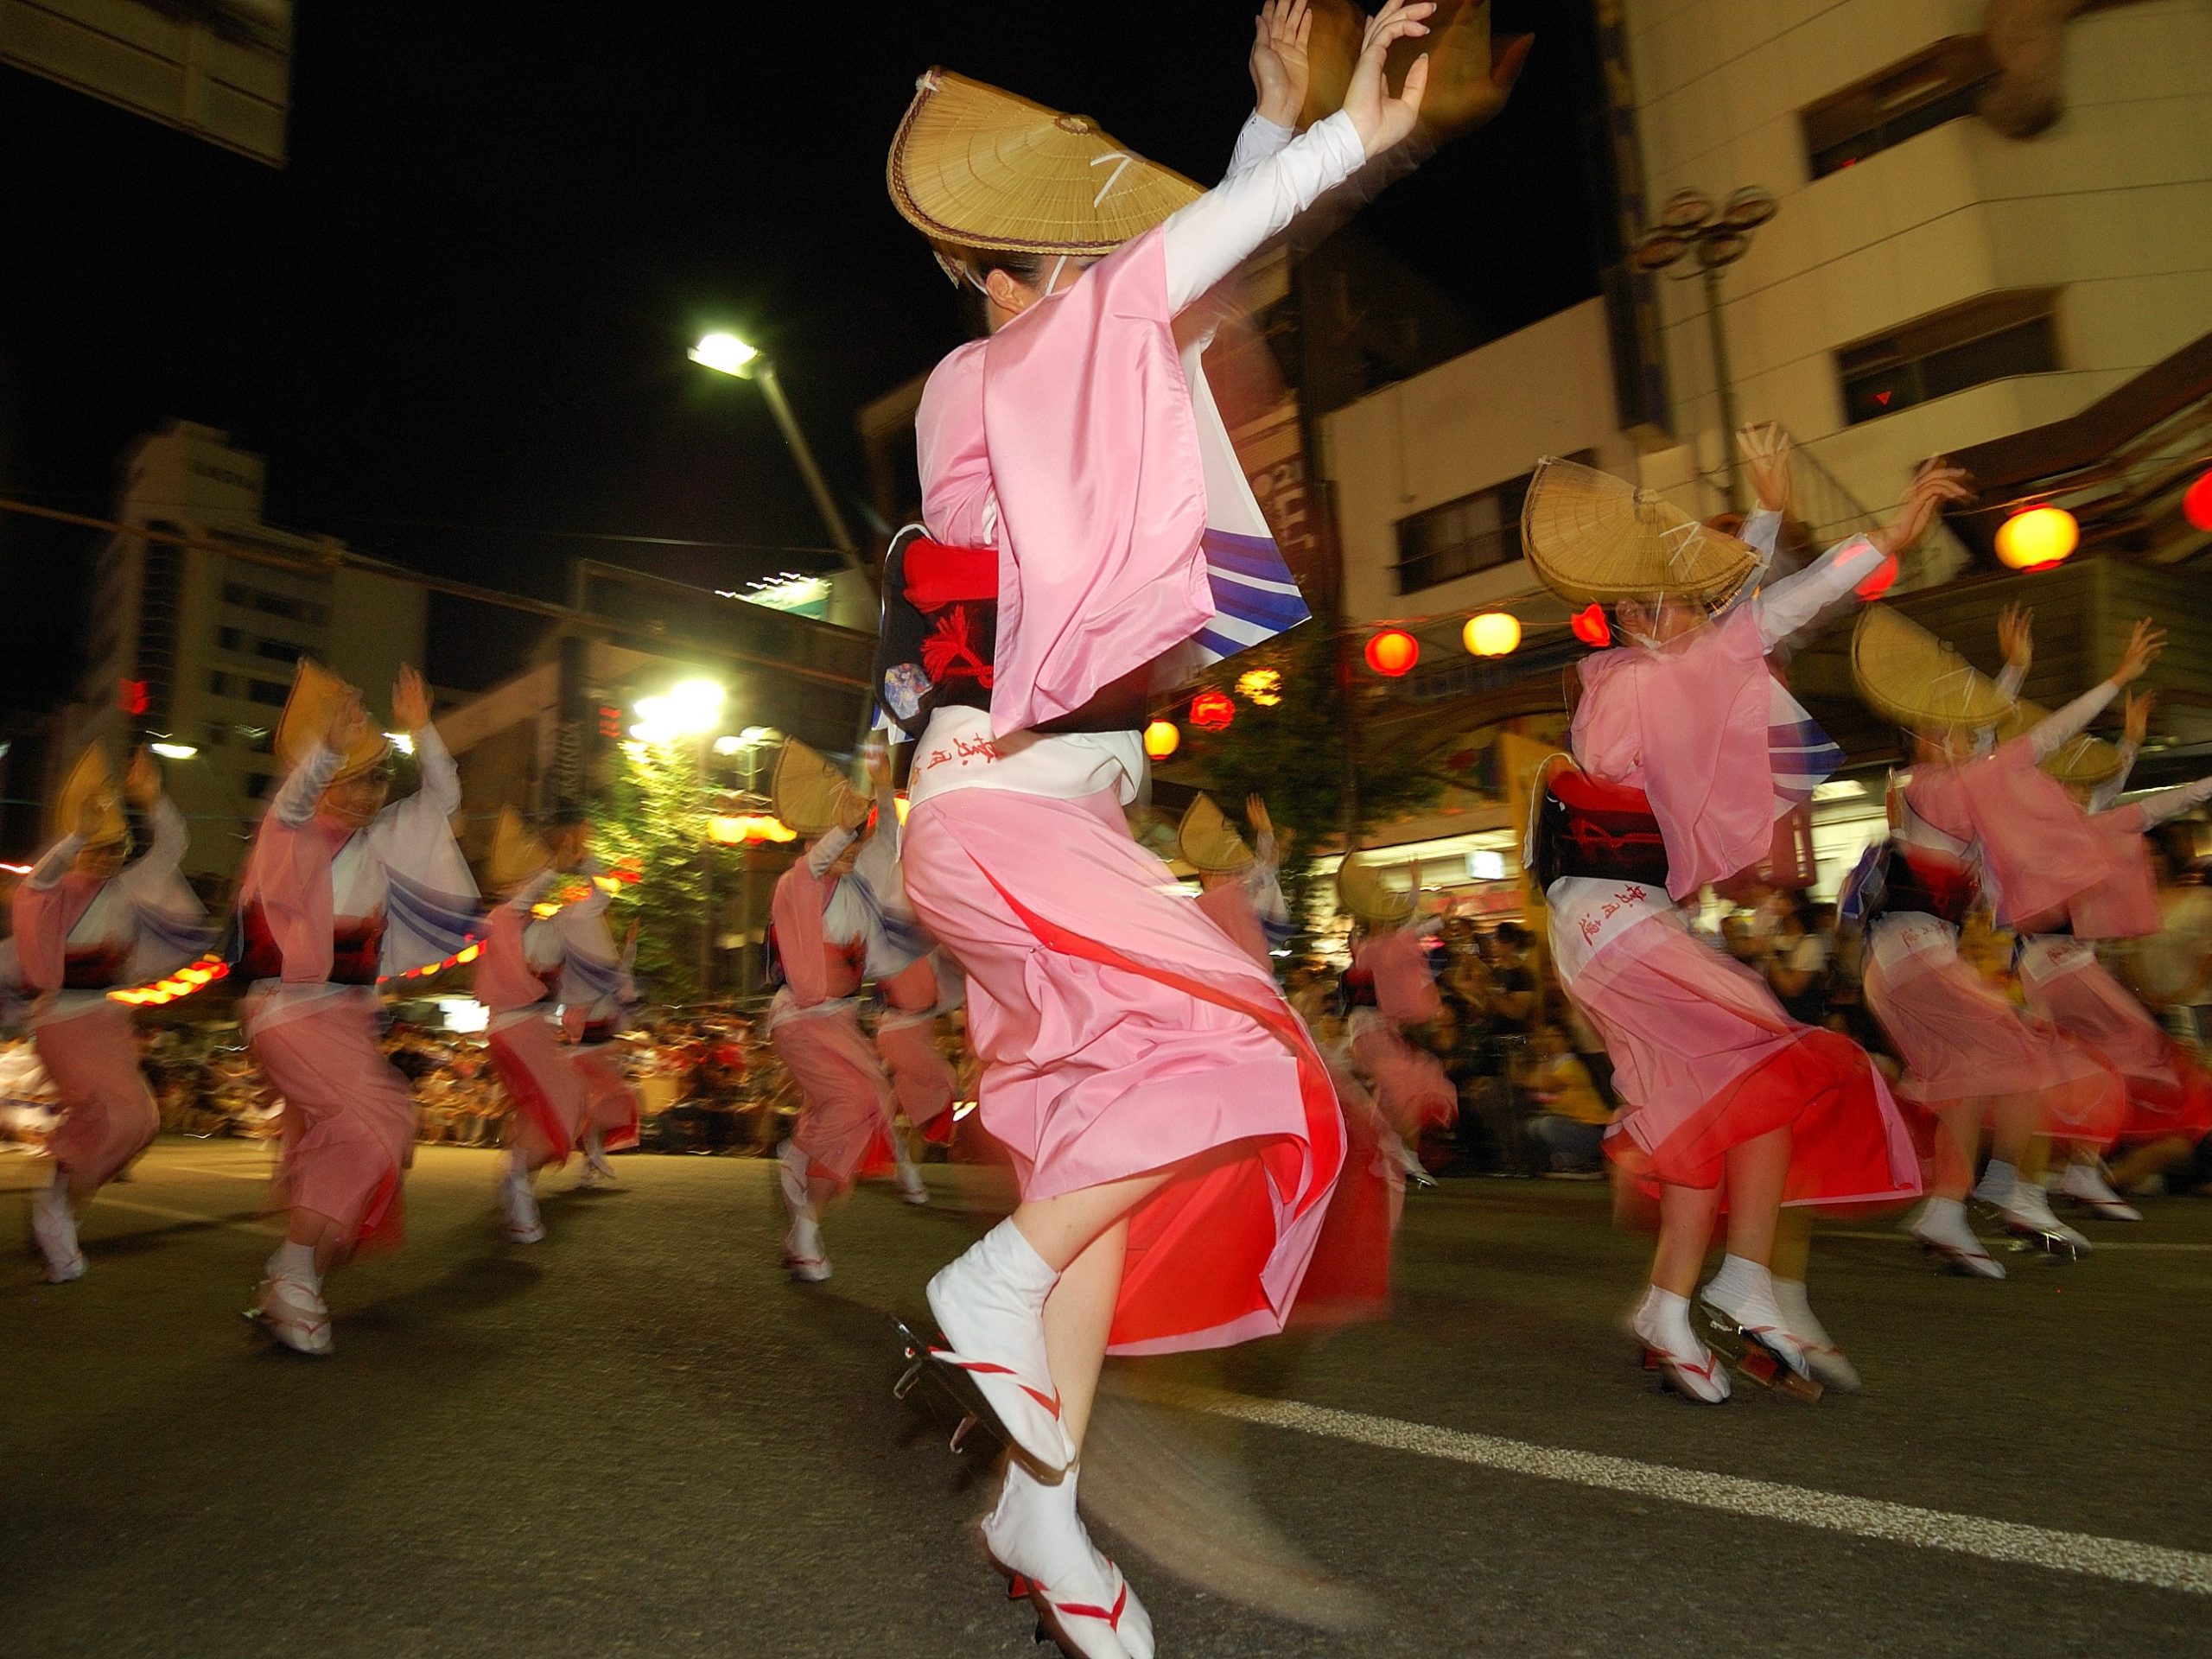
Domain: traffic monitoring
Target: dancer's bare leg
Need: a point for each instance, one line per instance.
(1958, 1144)
(1686, 1215)
(1758, 1170)
(1078, 1315)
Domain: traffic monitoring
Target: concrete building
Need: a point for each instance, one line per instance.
(195, 645)
(1928, 285)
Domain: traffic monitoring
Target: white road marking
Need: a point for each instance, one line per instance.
(2120, 1559)
(2097, 1242)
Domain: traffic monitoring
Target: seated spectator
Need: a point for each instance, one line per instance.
(1571, 1119)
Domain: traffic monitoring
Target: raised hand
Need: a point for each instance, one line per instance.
(141, 783)
(1765, 449)
(876, 755)
(1256, 813)
(2135, 718)
(1937, 482)
(1280, 67)
(1381, 120)
(1469, 82)
(2015, 636)
(2143, 648)
(411, 701)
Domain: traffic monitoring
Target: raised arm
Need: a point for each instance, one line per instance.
(303, 785)
(1210, 237)
(2135, 723)
(823, 852)
(1862, 566)
(2056, 732)
(2165, 803)
(55, 862)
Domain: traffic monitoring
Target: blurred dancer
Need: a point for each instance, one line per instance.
(916, 981)
(1240, 888)
(524, 973)
(88, 920)
(818, 939)
(340, 890)
(2168, 1096)
(598, 993)
(2034, 857)
(1689, 750)
(1389, 987)
(1174, 1134)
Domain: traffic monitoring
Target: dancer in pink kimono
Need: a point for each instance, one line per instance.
(1974, 1063)
(1174, 1134)
(89, 920)
(2168, 1096)
(1689, 750)
(1239, 885)
(524, 977)
(598, 993)
(1392, 986)
(2035, 858)
(342, 890)
(819, 937)
(916, 981)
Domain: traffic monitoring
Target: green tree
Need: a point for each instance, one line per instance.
(1304, 757)
(654, 818)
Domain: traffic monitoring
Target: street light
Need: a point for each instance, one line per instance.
(726, 353)
(1688, 224)
(174, 751)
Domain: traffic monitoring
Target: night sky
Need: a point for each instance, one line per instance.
(455, 322)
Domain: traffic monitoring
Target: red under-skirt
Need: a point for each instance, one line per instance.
(2168, 1093)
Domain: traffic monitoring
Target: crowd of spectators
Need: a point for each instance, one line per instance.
(1535, 1091)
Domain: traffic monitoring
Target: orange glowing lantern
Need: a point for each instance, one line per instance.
(2037, 538)
(1392, 653)
(1589, 625)
(1494, 633)
(1212, 710)
(1161, 739)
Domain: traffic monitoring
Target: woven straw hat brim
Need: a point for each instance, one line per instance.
(92, 779)
(518, 857)
(316, 695)
(1360, 891)
(812, 795)
(1906, 675)
(1208, 841)
(973, 165)
(2084, 761)
(1589, 535)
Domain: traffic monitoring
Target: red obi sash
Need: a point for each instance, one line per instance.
(1587, 827)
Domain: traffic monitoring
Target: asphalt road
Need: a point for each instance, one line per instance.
(639, 1438)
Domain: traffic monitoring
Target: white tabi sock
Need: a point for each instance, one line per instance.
(1997, 1181)
(55, 1196)
(294, 1261)
(1739, 1280)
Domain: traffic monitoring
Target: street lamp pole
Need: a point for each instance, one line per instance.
(1688, 224)
(727, 354)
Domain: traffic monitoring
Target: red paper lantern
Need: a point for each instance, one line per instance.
(1212, 710)
(2196, 505)
(1590, 627)
(1392, 653)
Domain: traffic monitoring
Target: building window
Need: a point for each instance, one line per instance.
(218, 734)
(1991, 338)
(257, 784)
(222, 685)
(1936, 84)
(1475, 532)
(276, 650)
(268, 691)
(311, 612)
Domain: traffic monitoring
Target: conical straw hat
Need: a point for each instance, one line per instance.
(979, 167)
(2084, 761)
(1591, 535)
(811, 792)
(316, 695)
(1907, 675)
(1360, 890)
(518, 857)
(1208, 841)
(91, 781)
